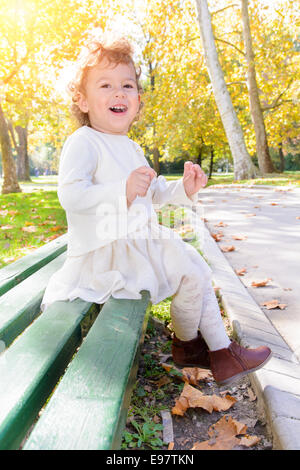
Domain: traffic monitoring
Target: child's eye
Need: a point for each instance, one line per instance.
(105, 85)
(128, 86)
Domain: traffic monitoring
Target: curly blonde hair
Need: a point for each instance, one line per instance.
(117, 52)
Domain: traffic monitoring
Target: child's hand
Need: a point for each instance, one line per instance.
(194, 178)
(138, 183)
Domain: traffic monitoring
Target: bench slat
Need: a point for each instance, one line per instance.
(16, 272)
(20, 305)
(89, 407)
(32, 365)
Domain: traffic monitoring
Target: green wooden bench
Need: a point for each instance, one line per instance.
(78, 358)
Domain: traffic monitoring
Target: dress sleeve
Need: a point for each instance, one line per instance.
(76, 190)
(170, 192)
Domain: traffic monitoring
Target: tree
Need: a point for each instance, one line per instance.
(243, 166)
(262, 150)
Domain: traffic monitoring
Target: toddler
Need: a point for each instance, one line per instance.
(116, 247)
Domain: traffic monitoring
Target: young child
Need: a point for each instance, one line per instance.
(116, 247)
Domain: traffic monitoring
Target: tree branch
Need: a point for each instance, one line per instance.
(230, 44)
(222, 9)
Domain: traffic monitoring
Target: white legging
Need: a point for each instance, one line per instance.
(195, 306)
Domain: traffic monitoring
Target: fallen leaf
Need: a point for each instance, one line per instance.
(221, 224)
(171, 446)
(273, 304)
(250, 215)
(226, 248)
(249, 441)
(193, 375)
(164, 380)
(223, 436)
(241, 271)
(30, 228)
(193, 398)
(260, 283)
(298, 217)
(217, 236)
(239, 237)
(273, 203)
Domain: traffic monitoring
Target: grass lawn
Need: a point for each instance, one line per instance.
(27, 221)
(276, 179)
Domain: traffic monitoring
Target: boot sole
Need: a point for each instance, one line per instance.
(245, 372)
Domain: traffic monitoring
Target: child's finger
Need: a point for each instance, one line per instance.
(147, 170)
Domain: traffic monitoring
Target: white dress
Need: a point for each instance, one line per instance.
(118, 267)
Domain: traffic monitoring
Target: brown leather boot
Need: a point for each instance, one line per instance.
(192, 353)
(231, 363)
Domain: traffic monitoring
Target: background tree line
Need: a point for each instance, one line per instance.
(258, 53)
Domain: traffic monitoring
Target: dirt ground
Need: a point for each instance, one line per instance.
(194, 425)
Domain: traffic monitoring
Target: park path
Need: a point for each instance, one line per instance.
(269, 219)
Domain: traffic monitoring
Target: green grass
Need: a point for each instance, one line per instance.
(28, 221)
(274, 179)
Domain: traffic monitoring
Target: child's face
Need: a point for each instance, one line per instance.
(111, 97)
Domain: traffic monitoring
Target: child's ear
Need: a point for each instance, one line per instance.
(82, 103)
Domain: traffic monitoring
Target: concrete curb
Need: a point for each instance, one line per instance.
(277, 385)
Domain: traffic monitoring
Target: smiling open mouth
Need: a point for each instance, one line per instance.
(118, 109)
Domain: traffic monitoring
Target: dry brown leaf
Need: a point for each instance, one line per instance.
(250, 215)
(227, 443)
(193, 375)
(55, 229)
(221, 224)
(30, 228)
(227, 425)
(217, 236)
(241, 271)
(297, 217)
(249, 441)
(193, 398)
(261, 283)
(273, 304)
(227, 248)
(171, 446)
(273, 203)
(164, 380)
(223, 436)
(239, 237)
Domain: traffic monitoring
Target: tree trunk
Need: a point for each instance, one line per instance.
(243, 165)
(10, 182)
(156, 160)
(282, 162)
(199, 157)
(23, 160)
(211, 163)
(263, 155)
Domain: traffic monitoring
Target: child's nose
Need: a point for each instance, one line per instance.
(119, 92)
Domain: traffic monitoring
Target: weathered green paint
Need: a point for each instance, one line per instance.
(89, 407)
(16, 272)
(21, 305)
(32, 365)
